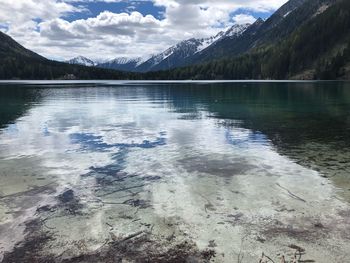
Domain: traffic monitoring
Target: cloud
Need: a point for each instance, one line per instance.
(243, 19)
(105, 24)
(228, 5)
(19, 11)
(41, 25)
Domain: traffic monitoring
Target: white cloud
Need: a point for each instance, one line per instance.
(19, 11)
(243, 19)
(40, 25)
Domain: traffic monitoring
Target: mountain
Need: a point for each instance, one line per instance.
(80, 60)
(305, 39)
(174, 56)
(122, 63)
(180, 54)
(9, 47)
(279, 25)
(17, 62)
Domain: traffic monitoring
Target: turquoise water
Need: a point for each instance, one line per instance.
(235, 168)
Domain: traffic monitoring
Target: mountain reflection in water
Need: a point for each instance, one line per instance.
(169, 172)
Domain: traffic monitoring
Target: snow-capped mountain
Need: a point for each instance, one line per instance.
(80, 60)
(178, 55)
(235, 30)
(122, 63)
(175, 56)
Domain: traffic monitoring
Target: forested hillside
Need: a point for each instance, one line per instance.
(319, 49)
(16, 62)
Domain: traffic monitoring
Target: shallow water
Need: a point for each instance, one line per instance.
(179, 171)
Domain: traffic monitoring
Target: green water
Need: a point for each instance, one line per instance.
(236, 168)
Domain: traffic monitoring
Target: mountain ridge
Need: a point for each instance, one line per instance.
(122, 63)
(81, 60)
(17, 62)
(318, 48)
(174, 56)
(177, 55)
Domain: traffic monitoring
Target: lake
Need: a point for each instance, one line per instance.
(174, 172)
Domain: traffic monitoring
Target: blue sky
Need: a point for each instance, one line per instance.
(95, 8)
(144, 7)
(107, 29)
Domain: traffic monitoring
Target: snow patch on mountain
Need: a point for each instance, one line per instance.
(190, 47)
(206, 42)
(125, 60)
(80, 60)
(122, 63)
(234, 31)
(173, 56)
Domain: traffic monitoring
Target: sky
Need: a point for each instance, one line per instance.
(107, 29)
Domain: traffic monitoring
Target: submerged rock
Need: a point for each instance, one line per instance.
(66, 196)
(139, 247)
(69, 202)
(30, 249)
(45, 208)
(138, 203)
